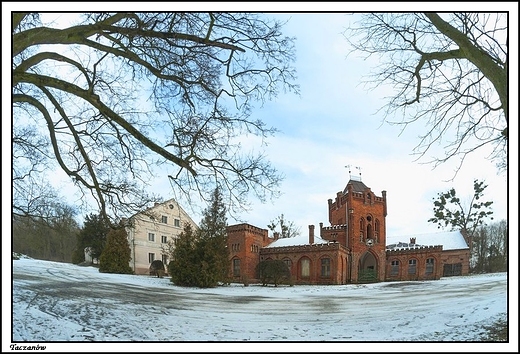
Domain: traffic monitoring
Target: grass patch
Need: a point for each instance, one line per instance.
(497, 332)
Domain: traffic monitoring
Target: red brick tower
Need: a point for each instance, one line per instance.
(244, 244)
(364, 215)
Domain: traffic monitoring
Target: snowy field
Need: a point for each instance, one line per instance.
(71, 308)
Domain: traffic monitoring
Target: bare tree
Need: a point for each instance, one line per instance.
(113, 99)
(287, 228)
(448, 71)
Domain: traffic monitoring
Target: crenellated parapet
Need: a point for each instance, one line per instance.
(247, 228)
(303, 248)
(334, 227)
(397, 250)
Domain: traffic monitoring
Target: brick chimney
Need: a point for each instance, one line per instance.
(311, 234)
(412, 240)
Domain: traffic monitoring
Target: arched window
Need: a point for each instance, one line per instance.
(369, 231)
(412, 266)
(394, 270)
(236, 267)
(430, 263)
(287, 262)
(305, 268)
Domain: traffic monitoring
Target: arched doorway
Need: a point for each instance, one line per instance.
(367, 269)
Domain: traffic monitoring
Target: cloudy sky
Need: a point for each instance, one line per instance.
(334, 123)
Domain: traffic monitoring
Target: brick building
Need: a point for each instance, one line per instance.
(353, 249)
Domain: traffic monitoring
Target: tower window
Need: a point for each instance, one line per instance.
(236, 267)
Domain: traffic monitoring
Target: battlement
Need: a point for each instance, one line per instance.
(334, 227)
(247, 228)
(411, 248)
(302, 248)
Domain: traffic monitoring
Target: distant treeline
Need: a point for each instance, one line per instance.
(490, 248)
(52, 240)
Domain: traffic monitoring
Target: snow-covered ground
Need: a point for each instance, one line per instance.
(72, 308)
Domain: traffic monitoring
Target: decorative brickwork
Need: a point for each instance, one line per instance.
(351, 250)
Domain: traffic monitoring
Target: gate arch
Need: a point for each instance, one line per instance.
(367, 268)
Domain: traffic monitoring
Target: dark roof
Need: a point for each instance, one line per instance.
(357, 186)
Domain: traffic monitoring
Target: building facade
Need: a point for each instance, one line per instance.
(150, 230)
(354, 248)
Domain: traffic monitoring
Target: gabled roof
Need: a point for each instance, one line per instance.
(357, 186)
(299, 240)
(174, 205)
(450, 240)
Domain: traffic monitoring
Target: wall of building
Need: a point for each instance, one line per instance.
(356, 248)
(335, 252)
(151, 221)
(420, 255)
(455, 258)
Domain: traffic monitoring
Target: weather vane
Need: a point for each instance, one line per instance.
(350, 171)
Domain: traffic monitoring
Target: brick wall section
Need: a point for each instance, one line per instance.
(315, 253)
(420, 254)
(457, 256)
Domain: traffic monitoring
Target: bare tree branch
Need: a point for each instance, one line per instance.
(121, 96)
(447, 71)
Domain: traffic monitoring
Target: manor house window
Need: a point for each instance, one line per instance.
(164, 219)
(151, 237)
(151, 257)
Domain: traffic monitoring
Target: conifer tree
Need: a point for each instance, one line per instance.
(116, 255)
(94, 234)
(200, 257)
(183, 266)
(212, 243)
